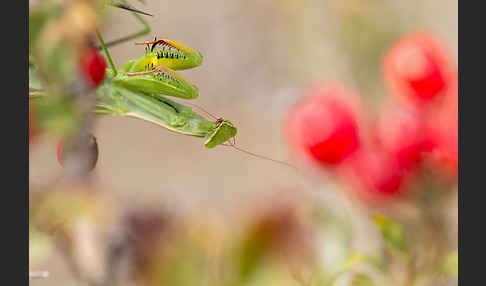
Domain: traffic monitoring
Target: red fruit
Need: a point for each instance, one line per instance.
(443, 129)
(92, 66)
(374, 174)
(324, 125)
(418, 68)
(449, 106)
(446, 155)
(402, 133)
(85, 146)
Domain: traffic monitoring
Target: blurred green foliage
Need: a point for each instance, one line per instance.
(260, 253)
(451, 264)
(392, 233)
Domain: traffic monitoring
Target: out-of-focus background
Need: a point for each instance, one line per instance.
(259, 58)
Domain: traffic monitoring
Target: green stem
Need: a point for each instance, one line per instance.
(106, 53)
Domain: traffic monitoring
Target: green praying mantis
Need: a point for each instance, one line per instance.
(139, 88)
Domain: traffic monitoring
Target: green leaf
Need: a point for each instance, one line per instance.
(392, 233)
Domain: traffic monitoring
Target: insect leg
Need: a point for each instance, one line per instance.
(107, 53)
(129, 8)
(146, 29)
(142, 72)
(163, 69)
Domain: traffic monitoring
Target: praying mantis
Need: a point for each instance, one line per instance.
(139, 88)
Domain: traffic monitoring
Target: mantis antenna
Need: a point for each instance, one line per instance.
(233, 144)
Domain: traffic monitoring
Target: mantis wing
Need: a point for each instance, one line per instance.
(162, 112)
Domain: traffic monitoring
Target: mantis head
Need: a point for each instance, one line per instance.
(223, 132)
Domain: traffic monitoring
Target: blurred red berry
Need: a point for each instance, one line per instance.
(374, 174)
(443, 129)
(403, 134)
(92, 66)
(418, 68)
(449, 106)
(324, 125)
(446, 154)
(86, 146)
